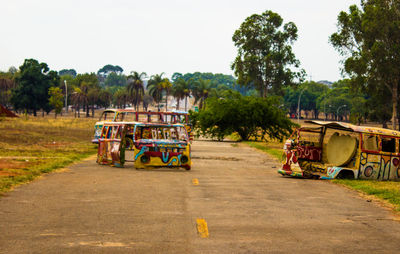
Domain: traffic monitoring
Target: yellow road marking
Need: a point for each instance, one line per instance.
(195, 181)
(202, 228)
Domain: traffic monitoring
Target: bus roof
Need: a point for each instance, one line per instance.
(355, 128)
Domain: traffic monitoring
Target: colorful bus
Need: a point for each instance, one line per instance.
(130, 115)
(155, 145)
(328, 150)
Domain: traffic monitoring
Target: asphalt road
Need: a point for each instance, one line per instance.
(232, 201)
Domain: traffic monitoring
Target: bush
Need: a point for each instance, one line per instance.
(248, 116)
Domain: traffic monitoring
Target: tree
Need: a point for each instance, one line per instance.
(105, 98)
(114, 79)
(265, 53)
(56, 100)
(87, 82)
(147, 100)
(181, 90)
(120, 98)
(78, 98)
(155, 88)
(248, 116)
(135, 87)
(310, 92)
(33, 83)
(200, 91)
(369, 39)
(70, 72)
(166, 84)
(108, 69)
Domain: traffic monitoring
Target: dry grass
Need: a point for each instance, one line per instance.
(31, 146)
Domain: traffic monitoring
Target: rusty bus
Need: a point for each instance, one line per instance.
(328, 150)
(130, 115)
(155, 145)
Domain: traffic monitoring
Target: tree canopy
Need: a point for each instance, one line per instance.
(369, 40)
(109, 68)
(33, 83)
(265, 58)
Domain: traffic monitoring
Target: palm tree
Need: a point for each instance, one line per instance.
(135, 87)
(166, 84)
(120, 97)
(155, 88)
(180, 90)
(201, 89)
(78, 98)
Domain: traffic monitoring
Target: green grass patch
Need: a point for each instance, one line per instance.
(32, 146)
(386, 190)
(269, 148)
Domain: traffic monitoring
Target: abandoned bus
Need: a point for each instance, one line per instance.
(130, 115)
(155, 145)
(328, 150)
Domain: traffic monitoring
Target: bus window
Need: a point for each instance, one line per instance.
(388, 145)
(370, 142)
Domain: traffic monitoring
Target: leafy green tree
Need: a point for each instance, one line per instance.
(248, 116)
(108, 69)
(265, 56)
(114, 79)
(176, 76)
(135, 87)
(369, 38)
(33, 83)
(56, 100)
(70, 72)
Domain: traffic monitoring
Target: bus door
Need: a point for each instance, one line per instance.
(110, 150)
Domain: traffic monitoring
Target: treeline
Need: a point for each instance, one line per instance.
(34, 87)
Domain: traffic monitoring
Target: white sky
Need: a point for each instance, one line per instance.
(158, 36)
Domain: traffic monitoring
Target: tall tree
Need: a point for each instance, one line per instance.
(201, 90)
(265, 56)
(369, 40)
(155, 88)
(180, 90)
(33, 83)
(135, 87)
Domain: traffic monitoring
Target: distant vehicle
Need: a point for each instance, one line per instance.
(341, 150)
(130, 115)
(155, 145)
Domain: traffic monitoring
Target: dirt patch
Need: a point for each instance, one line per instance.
(10, 163)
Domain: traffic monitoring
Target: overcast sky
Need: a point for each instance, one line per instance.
(158, 35)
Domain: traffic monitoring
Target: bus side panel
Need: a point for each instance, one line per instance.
(394, 173)
(370, 166)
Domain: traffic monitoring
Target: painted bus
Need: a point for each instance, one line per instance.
(130, 115)
(155, 145)
(328, 150)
